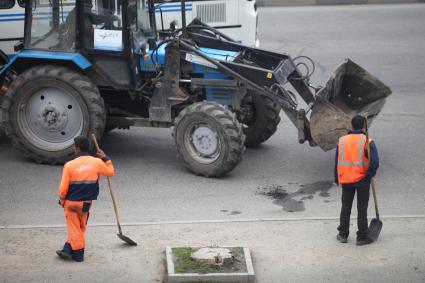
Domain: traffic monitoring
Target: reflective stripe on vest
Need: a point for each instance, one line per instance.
(341, 160)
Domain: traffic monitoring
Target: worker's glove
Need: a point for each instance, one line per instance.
(61, 202)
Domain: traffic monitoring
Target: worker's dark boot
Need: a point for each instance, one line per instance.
(364, 241)
(78, 255)
(66, 252)
(342, 238)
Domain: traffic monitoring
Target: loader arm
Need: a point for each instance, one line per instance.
(351, 90)
(269, 79)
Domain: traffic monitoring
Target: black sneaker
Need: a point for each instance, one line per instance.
(365, 241)
(64, 255)
(341, 238)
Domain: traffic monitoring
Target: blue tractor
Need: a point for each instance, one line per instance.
(87, 67)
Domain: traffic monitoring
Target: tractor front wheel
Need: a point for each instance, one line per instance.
(46, 107)
(209, 139)
(260, 118)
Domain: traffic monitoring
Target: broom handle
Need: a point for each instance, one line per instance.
(372, 181)
(110, 189)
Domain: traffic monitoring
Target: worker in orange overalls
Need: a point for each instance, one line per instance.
(78, 188)
(354, 168)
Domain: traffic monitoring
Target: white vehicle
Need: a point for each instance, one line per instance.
(235, 18)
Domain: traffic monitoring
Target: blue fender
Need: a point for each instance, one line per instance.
(77, 59)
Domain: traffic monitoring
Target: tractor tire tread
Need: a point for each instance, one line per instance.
(271, 120)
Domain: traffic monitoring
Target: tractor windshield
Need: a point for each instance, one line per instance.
(103, 25)
(144, 21)
(51, 25)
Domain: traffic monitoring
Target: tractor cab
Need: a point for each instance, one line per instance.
(109, 33)
(87, 25)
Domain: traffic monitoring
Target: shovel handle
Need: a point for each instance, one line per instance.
(110, 189)
(372, 181)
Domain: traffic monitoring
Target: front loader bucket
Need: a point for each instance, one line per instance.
(350, 91)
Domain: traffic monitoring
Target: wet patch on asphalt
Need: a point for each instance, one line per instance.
(287, 200)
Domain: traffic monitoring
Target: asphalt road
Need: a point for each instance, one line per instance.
(151, 184)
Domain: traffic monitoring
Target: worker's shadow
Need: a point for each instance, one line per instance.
(122, 245)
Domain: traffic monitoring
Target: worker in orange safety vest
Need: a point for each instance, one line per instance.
(354, 169)
(78, 188)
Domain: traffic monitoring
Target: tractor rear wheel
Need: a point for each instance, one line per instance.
(46, 107)
(209, 139)
(260, 118)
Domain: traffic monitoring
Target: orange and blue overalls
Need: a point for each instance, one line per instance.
(78, 188)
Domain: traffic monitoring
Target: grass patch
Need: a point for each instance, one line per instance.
(184, 262)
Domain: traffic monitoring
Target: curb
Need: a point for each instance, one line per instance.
(270, 3)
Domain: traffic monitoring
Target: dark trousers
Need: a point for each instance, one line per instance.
(347, 203)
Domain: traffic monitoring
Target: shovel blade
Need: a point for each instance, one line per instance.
(375, 228)
(350, 91)
(127, 240)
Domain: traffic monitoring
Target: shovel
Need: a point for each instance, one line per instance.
(120, 235)
(375, 226)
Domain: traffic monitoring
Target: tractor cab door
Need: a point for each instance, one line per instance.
(105, 40)
(114, 34)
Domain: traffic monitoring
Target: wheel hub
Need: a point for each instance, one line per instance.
(205, 141)
(53, 118)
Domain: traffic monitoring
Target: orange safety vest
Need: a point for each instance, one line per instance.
(352, 161)
(80, 178)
